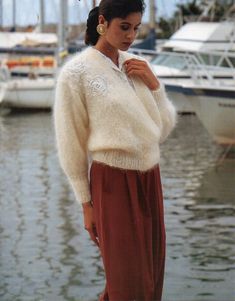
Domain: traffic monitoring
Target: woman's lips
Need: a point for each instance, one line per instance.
(127, 43)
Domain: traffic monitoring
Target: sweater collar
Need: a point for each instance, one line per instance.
(121, 59)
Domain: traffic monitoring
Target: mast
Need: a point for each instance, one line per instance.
(1, 14)
(62, 27)
(14, 13)
(42, 16)
(93, 3)
(152, 14)
(152, 38)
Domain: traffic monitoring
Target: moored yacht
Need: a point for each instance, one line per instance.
(194, 46)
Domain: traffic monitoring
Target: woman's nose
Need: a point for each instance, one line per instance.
(131, 35)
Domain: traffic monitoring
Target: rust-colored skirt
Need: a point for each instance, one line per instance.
(128, 206)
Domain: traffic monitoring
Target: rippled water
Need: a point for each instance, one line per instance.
(45, 253)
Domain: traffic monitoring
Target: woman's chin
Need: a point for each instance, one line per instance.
(125, 47)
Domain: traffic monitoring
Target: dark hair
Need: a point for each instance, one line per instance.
(110, 9)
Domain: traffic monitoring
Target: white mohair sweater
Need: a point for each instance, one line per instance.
(100, 112)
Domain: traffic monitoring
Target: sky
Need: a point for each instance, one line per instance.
(27, 11)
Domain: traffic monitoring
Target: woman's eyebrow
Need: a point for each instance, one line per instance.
(127, 23)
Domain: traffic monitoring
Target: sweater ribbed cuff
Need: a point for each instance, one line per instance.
(160, 93)
(81, 189)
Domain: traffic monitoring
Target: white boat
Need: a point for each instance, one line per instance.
(33, 90)
(212, 98)
(214, 106)
(202, 36)
(26, 79)
(191, 47)
(28, 93)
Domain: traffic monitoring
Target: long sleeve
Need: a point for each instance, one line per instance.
(167, 111)
(165, 106)
(71, 129)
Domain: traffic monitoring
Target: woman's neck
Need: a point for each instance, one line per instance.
(108, 51)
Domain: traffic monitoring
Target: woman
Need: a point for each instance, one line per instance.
(111, 107)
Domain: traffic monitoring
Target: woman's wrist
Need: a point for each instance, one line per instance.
(155, 86)
(86, 205)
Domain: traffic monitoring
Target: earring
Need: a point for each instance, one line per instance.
(100, 29)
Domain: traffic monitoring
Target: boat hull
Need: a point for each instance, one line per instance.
(218, 117)
(181, 102)
(26, 93)
(215, 109)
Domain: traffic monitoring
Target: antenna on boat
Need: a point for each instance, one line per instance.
(1, 14)
(14, 15)
(93, 3)
(42, 16)
(152, 15)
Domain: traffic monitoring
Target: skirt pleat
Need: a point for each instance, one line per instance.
(129, 216)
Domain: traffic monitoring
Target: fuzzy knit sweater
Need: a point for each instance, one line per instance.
(101, 113)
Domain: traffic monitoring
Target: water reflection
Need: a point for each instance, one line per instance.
(200, 198)
(47, 255)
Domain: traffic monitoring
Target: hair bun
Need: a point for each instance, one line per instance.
(93, 12)
(92, 35)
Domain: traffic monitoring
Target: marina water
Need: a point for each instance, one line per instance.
(45, 253)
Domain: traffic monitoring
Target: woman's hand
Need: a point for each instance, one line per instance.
(135, 67)
(89, 221)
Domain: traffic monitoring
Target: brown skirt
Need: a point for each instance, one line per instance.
(128, 206)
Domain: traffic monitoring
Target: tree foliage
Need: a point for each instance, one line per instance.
(191, 11)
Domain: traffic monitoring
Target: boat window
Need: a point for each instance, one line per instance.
(232, 60)
(206, 59)
(224, 63)
(215, 60)
(210, 60)
(159, 59)
(172, 61)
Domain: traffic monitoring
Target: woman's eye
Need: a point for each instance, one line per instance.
(124, 27)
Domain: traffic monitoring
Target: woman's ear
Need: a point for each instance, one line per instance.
(102, 19)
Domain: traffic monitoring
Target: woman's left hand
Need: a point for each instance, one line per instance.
(135, 67)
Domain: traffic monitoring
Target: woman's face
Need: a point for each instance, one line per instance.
(121, 33)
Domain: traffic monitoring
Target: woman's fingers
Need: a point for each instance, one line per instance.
(136, 67)
(93, 234)
(135, 61)
(141, 69)
(89, 222)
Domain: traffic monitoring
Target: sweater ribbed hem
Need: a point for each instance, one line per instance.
(120, 160)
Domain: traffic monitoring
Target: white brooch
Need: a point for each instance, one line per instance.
(98, 85)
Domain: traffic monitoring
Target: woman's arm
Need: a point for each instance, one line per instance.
(71, 130)
(142, 69)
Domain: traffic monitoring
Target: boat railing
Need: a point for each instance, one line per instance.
(199, 70)
(142, 52)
